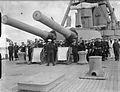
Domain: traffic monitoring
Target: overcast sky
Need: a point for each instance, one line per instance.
(23, 10)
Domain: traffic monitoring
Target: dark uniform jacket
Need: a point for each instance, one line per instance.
(23, 48)
(81, 47)
(98, 48)
(50, 47)
(11, 49)
(116, 46)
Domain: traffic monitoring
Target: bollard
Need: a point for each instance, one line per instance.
(82, 57)
(21, 57)
(95, 66)
(6, 56)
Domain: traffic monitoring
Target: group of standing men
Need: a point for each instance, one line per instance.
(97, 47)
(14, 49)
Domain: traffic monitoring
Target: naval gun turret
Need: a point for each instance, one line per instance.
(30, 29)
(68, 34)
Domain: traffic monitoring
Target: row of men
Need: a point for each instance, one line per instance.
(27, 48)
(96, 47)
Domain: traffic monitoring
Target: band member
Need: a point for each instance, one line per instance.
(98, 47)
(36, 43)
(16, 48)
(105, 49)
(81, 46)
(30, 50)
(23, 49)
(56, 50)
(50, 51)
(75, 51)
(89, 48)
(116, 47)
(10, 49)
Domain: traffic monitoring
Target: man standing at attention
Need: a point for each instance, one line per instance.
(16, 48)
(10, 49)
(50, 50)
(116, 47)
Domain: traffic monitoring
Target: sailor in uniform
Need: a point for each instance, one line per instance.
(10, 49)
(116, 47)
(98, 47)
(50, 51)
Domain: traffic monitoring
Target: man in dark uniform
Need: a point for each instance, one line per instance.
(30, 50)
(10, 49)
(81, 46)
(23, 49)
(16, 48)
(98, 47)
(105, 49)
(56, 50)
(116, 47)
(40, 44)
(36, 43)
(50, 51)
(89, 46)
(75, 51)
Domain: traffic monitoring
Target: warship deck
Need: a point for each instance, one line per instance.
(12, 73)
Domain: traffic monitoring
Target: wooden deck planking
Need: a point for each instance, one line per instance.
(69, 80)
(115, 78)
(66, 86)
(73, 74)
(99, 85)
(78, 82)
(81, 81)
(85, 86)
(72, 83)
(90, 87)
(82, 86)
(95, 85)
(71, 87)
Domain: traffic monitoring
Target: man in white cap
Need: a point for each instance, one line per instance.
(50, 50)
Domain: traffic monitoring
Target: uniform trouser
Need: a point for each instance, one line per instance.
(15, 54)
(75, 57)
(116, 53)
(55, 56)
(50, 58)
(30, 56)
(24, 53)
(11, 56)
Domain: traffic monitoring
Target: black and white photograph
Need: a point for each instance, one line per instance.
(60, 45)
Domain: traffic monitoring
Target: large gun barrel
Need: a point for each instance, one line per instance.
(20, 25)
(38, 16)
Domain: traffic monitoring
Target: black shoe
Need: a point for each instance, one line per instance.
(53, 64)
(47, 65)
